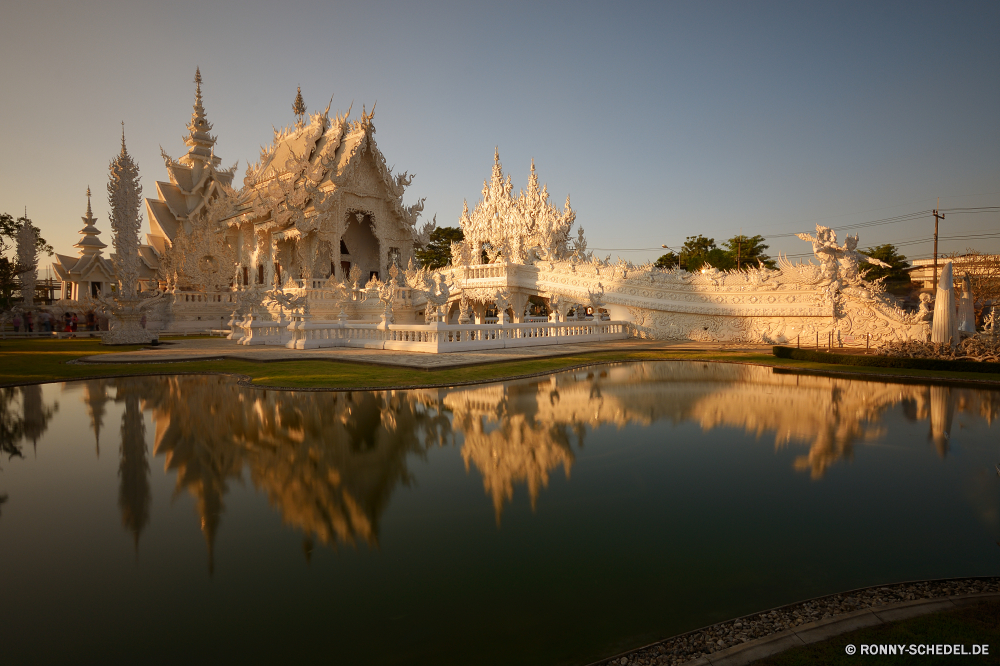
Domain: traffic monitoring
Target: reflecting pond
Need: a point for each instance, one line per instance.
(541, 521)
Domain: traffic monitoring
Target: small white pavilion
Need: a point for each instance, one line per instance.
(87, 275)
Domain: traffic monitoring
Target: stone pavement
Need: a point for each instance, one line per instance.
(203, 349)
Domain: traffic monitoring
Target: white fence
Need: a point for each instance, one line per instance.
(302, 333)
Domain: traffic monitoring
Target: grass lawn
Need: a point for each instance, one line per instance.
(979, 624)
(31, 361)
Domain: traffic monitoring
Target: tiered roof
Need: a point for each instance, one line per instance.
(90, 265)
(194, 179)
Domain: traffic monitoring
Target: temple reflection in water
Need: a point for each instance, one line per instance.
(330, 462)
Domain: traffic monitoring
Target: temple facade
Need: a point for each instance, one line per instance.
(316, 249)
(319, 203)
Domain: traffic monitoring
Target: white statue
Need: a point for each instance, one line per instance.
(944, 329)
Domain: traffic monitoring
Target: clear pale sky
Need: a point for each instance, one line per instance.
(661, 120)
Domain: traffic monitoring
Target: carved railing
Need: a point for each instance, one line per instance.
(206, 297)
(303, 333)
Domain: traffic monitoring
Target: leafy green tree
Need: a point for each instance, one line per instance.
(897, 272)
(669, 260)
(437, 254)
(748, 252)
(696, 252)
(739, 252)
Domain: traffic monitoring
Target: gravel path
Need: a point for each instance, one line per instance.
(707, 640)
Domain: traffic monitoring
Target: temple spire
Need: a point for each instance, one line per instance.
(199, 142)
(299, 108)
(90, 243)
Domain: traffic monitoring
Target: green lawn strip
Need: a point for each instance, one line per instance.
(978, 624)
(46, 361)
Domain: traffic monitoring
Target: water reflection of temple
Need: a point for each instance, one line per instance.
(330, 462)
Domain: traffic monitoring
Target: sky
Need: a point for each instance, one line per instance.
(660, 120)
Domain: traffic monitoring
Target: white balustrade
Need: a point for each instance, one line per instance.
(305, 333)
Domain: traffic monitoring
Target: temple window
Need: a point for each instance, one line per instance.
(260, 273)
(246, 276)
(345, 267)
(343, 248)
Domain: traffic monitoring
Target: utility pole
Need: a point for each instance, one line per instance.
(937, 217)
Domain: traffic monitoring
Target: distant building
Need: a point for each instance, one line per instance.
(922, 273)
(90, 273)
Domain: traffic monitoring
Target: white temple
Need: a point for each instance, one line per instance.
(84, 277)
(316, 250)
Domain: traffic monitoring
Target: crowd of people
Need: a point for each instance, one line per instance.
(44, 321)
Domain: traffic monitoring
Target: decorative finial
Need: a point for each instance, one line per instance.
(123, 137)
(197, 88)
(496, 154)
(299, 107)
(89, 211)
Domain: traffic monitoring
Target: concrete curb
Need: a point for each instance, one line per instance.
(814, 632)
(821, 630)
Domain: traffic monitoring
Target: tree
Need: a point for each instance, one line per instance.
(748, 252)
(8, 234)
(897, 276)
(898, 270)
(669, 260)
(697, 251)
(437, 252)
(9, 268)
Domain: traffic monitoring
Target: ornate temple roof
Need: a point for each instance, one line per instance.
(306, 164)
(90, 264)
(194, 178)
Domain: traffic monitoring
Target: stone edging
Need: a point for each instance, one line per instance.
(245, 380)
(792, 626)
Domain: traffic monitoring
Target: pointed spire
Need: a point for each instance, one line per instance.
(299, 108)
(199, 142)
(90, 244)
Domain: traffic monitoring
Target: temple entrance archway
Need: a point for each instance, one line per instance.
(361, 244)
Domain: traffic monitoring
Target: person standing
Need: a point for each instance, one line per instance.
(75, 322)
(28, 323)
(17, 323)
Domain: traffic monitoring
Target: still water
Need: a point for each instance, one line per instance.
(543, 521)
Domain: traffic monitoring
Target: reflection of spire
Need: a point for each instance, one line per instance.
(11, 426)
(35, 414)
(134, 495)
(95, 395)
(519, 451)
(942, 412)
